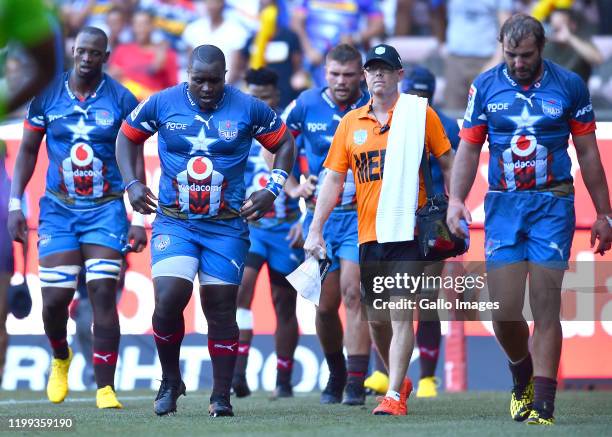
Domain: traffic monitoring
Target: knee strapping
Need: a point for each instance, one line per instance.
(99, 268)
(59, 276)
(244, 318)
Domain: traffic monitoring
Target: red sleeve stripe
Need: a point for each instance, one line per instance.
(474, 135)
(29, 126)
(295, 133)
(134, 135)
(578, 128)
(271, 140)
(303, 164)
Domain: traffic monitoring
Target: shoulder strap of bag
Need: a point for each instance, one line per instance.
(426, 172)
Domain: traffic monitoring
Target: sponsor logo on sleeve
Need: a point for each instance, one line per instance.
(585, 110)
(470, 103)
(138, 108)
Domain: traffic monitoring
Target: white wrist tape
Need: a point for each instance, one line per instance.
(14, 204)
(138, 219)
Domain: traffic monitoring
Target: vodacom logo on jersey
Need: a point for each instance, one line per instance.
(81, 154)
(523, 145)
(199, 169)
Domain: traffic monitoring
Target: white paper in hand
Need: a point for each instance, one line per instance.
(306, 280)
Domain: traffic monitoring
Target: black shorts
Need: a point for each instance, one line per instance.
(389, 269)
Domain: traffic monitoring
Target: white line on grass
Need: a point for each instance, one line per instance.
(75, 400)
(121, 398)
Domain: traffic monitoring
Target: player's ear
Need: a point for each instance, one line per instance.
(106, 56)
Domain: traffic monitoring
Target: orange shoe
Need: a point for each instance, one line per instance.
(389, 407)
(405, 391)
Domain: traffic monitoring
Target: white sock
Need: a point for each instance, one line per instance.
(393, 395)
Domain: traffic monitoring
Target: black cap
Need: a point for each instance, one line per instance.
(419, 79)
(385, 53)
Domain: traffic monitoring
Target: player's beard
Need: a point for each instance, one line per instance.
(350, 96)
(533, 73)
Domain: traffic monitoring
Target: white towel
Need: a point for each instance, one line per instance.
(399, 195)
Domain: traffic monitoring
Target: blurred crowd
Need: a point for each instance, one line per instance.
(150, 40)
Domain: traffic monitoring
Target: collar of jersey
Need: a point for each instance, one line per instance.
(91, 96)
(195, 106)
(537, 84)
(333, 105)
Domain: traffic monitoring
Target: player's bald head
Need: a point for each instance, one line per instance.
(207, 54)
(94, 33)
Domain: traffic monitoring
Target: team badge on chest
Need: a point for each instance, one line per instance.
(552, 108)
(104, 118)
(228, 130)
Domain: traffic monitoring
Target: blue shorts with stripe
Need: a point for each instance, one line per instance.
(63, 229)
(529, 226)
(220, 246)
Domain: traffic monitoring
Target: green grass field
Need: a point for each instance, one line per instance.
(474, 413)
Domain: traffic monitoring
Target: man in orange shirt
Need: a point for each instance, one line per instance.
(360, 144)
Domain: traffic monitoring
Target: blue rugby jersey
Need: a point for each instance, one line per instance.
(315, 117)
(80, 137)
(528, 127)
(203, 154)
(285, 209)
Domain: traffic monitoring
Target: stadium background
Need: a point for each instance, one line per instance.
(475, 361)
(472, 360)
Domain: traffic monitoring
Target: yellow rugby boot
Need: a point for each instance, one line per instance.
(377, 382)
(57, 385)
(521, 403)
(428, 387)
(107, 398)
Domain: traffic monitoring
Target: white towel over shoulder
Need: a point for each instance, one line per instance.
(399, 196)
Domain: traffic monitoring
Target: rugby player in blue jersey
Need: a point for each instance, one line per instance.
(315, 115)
(82, 216)
(528, 107)
(277, 240)
(205, 131)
